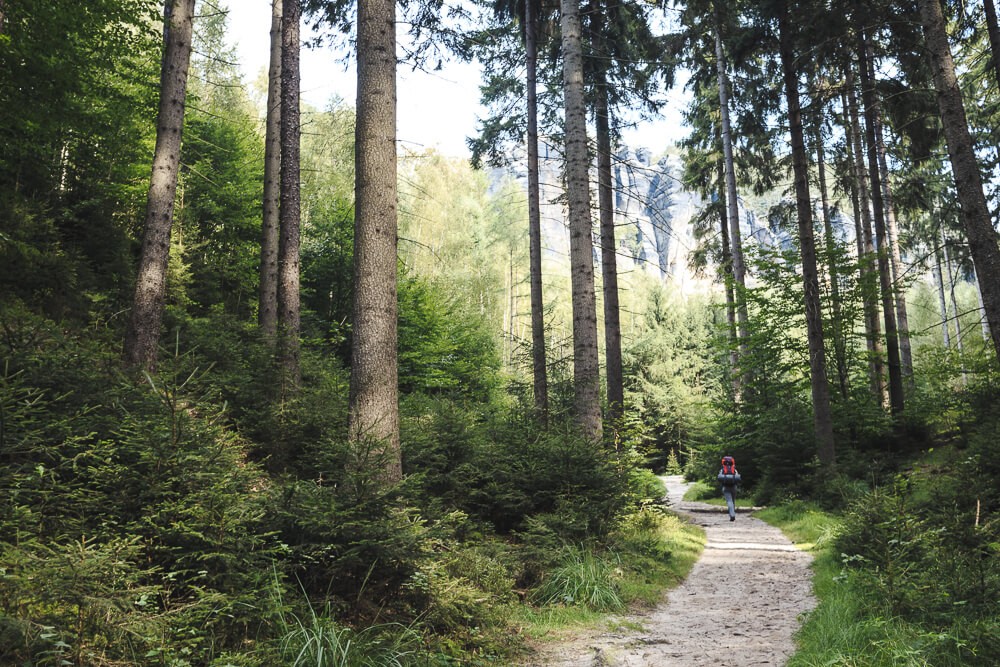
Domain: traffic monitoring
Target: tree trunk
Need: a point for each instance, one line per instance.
(984, 325)
(732, 202)
(539, 369)
(839, 345)
(968, 181)
(892, 238)
(954, 308)
(143, 333)
(290, 213)
(956, 314)
(586, 365)
(267, 313)
(993, 30)
(878, 217)
(822, 415)
(609, 262)
(727, 279)
(866, 246)
(374, 395)
(942, 304)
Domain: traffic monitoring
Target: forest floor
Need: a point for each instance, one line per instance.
(740, 605)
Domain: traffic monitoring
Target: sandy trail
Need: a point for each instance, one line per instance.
(739, 606)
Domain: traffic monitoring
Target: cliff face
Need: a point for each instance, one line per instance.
(653, 214)
(653, 218)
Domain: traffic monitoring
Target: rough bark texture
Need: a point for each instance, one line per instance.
(968, 181)
(539, 368)
(288, 237)
(882, 243)
(866, 245)
(143, 333)
(609, 263)
(586, 365)
(822, 416)
(732, 202)
(267, 309)
(373, 416)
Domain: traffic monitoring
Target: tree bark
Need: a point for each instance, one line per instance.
(727, 278)
(993, 30)
(290, 203)
(586, 365)
(892, 239)
(822, 415)
(976, 217)
(984, 325)
(839, 345)
(866, 244)
(942, 304)
(896, 399)
(609, 263)
(539, 367)
(959, 345)
(373, 415)
(732, 203)
(951, 292)
(267, 311)
(142, 335)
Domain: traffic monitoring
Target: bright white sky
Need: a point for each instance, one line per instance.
(436, 110)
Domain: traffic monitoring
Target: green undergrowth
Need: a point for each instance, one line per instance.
(806, 525)
(710, 494)
(651, 552)
(905, 576)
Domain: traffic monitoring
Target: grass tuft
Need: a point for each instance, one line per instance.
(583, 578)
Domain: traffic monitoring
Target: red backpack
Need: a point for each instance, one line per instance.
(728, 465)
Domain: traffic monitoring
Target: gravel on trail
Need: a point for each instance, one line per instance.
(740, 605)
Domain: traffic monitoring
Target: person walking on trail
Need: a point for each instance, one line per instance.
(729, 477)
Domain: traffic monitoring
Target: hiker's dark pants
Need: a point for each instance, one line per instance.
(729, 492)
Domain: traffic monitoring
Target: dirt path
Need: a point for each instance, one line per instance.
(739, 606)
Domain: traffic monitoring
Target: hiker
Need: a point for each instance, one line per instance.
(729, 477)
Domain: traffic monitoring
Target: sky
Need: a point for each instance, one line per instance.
(435, 109)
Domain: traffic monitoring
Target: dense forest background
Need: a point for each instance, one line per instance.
(221, 500)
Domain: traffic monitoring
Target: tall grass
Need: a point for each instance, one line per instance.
(583, 578)
(653, 552)
(315, 639)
